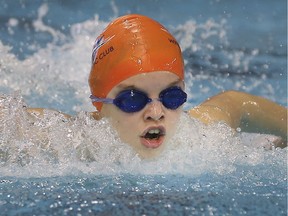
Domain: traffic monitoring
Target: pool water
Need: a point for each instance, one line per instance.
(80, 167)
(238, 194)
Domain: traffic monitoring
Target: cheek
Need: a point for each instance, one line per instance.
(126, 125)
(128, 131)
(172, 120)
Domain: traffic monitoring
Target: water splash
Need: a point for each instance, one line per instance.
(40, 26)
(56, 77)
(53, 145)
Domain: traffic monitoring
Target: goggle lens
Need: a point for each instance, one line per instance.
(173, 97)
(131, 100)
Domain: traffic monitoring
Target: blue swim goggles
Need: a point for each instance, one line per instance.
(133, 100)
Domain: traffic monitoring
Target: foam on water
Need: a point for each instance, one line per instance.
(55, 76)
(53, 145)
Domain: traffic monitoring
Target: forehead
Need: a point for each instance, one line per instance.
(152, 80)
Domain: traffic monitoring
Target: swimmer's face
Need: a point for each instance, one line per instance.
(149, 129)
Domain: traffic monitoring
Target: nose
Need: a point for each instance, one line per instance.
(154, 111)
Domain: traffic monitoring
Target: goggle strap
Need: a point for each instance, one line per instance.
(178, 98)
(102, 100)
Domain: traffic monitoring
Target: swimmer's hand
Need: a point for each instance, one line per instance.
(248, 112)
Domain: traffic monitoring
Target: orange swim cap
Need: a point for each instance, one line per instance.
(131, 45)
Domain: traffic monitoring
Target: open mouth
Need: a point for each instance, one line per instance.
(153, 134)
(153, 137)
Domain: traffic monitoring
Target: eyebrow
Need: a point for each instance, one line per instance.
(122, 87)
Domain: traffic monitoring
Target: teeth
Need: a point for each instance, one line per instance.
(155, 131)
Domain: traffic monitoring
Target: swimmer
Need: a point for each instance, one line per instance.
(137, 83)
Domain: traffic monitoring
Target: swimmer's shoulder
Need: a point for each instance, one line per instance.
(242, 110)
(95, 115)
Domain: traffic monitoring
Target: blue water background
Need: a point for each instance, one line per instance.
(257, 24)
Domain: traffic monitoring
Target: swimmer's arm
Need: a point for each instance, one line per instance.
(40, 112)
(248, 112)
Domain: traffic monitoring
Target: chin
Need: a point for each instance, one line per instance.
(150, 153)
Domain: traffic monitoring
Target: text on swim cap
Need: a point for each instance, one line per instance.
(173, 41)
(103, 54)
(99, 42)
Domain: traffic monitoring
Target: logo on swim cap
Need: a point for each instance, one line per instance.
(99, 42)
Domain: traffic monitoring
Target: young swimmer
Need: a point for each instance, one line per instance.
(137, 82)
